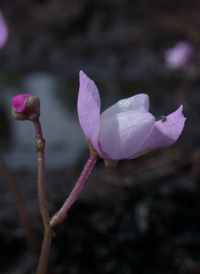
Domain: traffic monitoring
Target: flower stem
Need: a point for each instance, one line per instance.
(38, 129)
(61, 214)
(46, 245)
(41, 189)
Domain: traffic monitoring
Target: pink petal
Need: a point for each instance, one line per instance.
(136, 102)
(122, 134)
(18, 102)
(89, 109)
(164, 133)
(3, 31)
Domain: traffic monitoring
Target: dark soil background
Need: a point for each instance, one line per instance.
(144, 215)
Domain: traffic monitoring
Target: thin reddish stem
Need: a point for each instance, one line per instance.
(41, 189)
(38, 130)
(46, 245)
(61, 214)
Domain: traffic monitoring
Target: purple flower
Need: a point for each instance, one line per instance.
(126, 129)
(3, 31)
(180, 56)
(26, 107)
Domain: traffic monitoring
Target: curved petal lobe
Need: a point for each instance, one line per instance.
(165, 133)
(89, 109)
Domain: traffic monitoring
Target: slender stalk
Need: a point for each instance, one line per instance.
(38, 130)
(40, 144)
(61, 214)
(21, 208)
(44, 255)
(46, 245)
(41, 189)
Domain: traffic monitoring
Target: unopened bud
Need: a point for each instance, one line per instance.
(26, 107)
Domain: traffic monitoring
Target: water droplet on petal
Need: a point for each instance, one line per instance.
(124, 103)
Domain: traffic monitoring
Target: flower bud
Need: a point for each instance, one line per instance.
(26, 107)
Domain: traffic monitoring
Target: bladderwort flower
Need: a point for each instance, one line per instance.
(3, 31)
(126, 129)
(180, 56)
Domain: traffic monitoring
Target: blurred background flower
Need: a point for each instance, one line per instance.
(180, 56)
(3, 31)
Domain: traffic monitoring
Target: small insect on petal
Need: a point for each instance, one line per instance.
(163, 118)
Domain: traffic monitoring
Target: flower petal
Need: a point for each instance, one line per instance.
(164, 133)
(137, 102)
(122, 134)
(89, 109)
(3, 31)
(18, 101)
